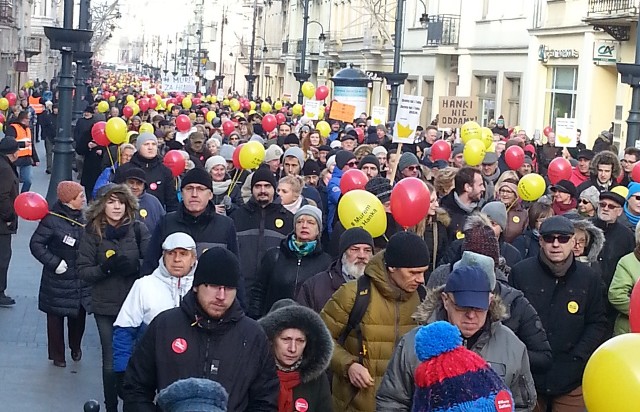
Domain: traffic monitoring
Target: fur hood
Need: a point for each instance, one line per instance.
(596, 242)
(476, 220)
(317, 354)
(97, 206)
(609, 157)
(432, 308)
(443, 217)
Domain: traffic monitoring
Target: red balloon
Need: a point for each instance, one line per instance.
(153, 103)
(204, 111)
(196, 101)
(559, 169)
(171, 101)
(547, 130)
(144, 104)
(360, 133)
(322, 92)
(127, 111)
(634, 309)
(99, 134)
(236, 157)
(410, 201)
(284, 110)
(106, 95)
(353, 179)
(441, 150)
(2, 118)
(13, 99)
(31, 206)
(281, 118)
(183, 123)
(228, 127)
(269, 122)
(246, 105)
(635, 173)
(179, 98)
(514, 157)
(175, 162)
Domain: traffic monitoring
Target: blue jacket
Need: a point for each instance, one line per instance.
(150, 211)
(333, 196)
(104, 179)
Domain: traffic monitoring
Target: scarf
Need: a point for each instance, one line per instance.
(295, 206)
(302, 249)
(288, 381)
(633, 219)
(558, 269)
(468, 209)
(116, 233)
(220, 187)
(560, 209)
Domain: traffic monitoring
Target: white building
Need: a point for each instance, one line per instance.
(15, 26)
(46, 64)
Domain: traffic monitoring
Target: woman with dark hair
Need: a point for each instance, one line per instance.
(517, 217)
(527, 243)
(109, 257)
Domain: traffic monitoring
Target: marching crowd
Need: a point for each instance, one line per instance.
(248, 277)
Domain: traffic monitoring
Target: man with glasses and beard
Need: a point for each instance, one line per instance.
(463, 200)
(356, 249)
(345, 160)
(569, 298)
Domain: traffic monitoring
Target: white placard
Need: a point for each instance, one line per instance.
(566, 132)
(152, 90)
(407, 119)
(378, 115)
(179, 84)
(312, 108)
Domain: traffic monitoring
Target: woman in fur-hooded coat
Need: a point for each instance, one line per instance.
(304, 385)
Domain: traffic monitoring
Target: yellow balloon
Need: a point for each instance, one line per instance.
(4, 103)
(611, 380)
(473, 152)
(146, 128)
(277, 105)
(158, 98)
(251, 155)
(308, 90)
(30, 83)
(492, 148)
(470, 131)
(297, 109)
(213, 99)
(252, 112)
(192, 116)
(321, 114)
(211, 115)
(252, 105)
(112, 98)
(234, 104)
(225, 102)
(103, 107)
(130, 98)
(531, 187)
(324, 129)
(169, 106)
(265, 107)
(135, 107)
(487, 137)
(359, 208)
(116, 130)
(187, 103)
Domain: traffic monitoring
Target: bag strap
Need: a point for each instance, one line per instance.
(360, 305)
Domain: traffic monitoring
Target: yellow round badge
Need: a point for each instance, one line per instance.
(279, 223)
(459, 235)
(572, 307)
(110, 253)
(516, 219)
(143, 213)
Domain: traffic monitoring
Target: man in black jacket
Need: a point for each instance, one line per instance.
(463, 200)
(90, 160)
(49, 126)
(9, 184)
(260, 224)
(210, 337)
(569, 298)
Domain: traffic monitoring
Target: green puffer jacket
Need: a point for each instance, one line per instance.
(387, 319)
(624, 279)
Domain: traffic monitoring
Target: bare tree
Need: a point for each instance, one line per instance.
(104, 20)
(376, 17)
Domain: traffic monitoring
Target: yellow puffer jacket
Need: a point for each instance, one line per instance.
(387, 319)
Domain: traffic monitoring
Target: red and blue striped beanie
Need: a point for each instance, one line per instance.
(451, 378)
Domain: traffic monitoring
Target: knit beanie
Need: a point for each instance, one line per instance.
(343, 157)
(295, 152)
(226, 151)
(291, 139)
(407, 159)
(193, 395)
(369, 159)
(214, 161)
(450, 377)
(380, 187)
(592, 194)
(406, 250)
(354, 236)
(68, 190)
(309, 210)
(145, 137)
(379, 150)
(633, 189)
(272, 153)
(497, 212)
(263, 174)
(481, 239)
(217, 266)
(311, 168)
(199, 176)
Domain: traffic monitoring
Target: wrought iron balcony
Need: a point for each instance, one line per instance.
(613, 7)
(613, 16)
(443, 30)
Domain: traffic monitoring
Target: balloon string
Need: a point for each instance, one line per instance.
(113, 166)
(385, 238)
(235, 179)
(66, 218)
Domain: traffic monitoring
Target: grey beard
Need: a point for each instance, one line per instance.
(351, 271)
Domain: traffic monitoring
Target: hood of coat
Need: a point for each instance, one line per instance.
(163, 274)
(608, 157)
(443, 217)
(377, 271)
(433, 308)
(97, 206)
(286, 314)
(476, 220)
(596, 238)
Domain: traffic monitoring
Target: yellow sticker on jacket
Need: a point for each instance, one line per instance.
(516, 219)
(143, 213)
(110, 253)
(279, 223)
(573, 307)
(459, 235)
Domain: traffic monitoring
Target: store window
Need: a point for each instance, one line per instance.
(513, 101)
(561, 95)
(487, 99)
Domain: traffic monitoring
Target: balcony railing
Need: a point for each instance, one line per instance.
(613, 7)
(443, 30)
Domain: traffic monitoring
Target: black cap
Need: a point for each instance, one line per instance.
(354, 236)
(369, 159)
(311, 168)
(291, 139)
(557, 225)
(406, 250)
(350, 135)
(614, 197)
(217, 266)
(324, 148)
(565, 186)
(125, 173)
(586, 154)
(9, 145)
(380, 187)
(263, 174)
(199, 176)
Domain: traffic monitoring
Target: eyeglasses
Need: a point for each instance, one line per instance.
(637, 197)
(562, 239)
(352, 163)
(413, 168)
(506, 192)
(362, 125)
(584, 201)
(610, 206)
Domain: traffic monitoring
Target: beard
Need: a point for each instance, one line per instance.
(353, 270)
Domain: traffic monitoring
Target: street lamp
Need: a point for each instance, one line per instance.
(265, 49)
(251, 78)
(166, 57)
(220, 77)
(302, 76)
(424, 18)
(175, 56)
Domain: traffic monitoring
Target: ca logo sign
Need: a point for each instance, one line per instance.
(606, 50)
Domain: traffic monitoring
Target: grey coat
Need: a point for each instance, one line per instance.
(497, 344)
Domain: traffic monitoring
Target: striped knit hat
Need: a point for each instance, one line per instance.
(453, 378)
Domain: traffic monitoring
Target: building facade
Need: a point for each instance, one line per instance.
(44, 63)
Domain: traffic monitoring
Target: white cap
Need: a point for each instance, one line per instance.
(335, 144)
(331, 161)
(179, 240)
(379, 150)
(214, 161)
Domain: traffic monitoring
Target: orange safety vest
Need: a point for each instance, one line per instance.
(34, 102)
(23, 134)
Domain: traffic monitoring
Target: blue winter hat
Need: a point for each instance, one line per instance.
(453, 378)
(633, 189)
(193, 395)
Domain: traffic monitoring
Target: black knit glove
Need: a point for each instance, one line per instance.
(108, 265)
(126, 266)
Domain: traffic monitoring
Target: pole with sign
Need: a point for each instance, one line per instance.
(406, 124)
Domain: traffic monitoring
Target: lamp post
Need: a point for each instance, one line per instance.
(264, 51)
(220, 77)
(198, 71)
(396, 78)
(81, 58)
(251, 77)
(175, 57)
(302, 76)
(166, 56)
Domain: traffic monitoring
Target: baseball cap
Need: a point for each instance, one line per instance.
(470, 287)
(179, 240)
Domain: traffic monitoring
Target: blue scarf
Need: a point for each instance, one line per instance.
(632, 218)
(302, 249)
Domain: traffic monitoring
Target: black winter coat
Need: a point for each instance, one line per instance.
(49, 124)
(108, 291)
(160, 181)
(54, 240)
(317, 290)
(457, 215)
(619, 241)
(527, 244)
(232, 351)
(572, 311)
(259, 229)
(9, 189)
(281, 275)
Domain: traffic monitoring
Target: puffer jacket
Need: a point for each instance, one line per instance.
(624, 279)
(9, 189)
(281, 275)
(386, 320)
(497, 344)
(456, 213)
(57, 239)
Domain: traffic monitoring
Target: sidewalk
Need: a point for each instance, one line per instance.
(28, 380)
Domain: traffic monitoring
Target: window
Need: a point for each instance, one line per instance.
(561, 94)
(513, 101)
(487, 99)
(427, 92)
(410, 87)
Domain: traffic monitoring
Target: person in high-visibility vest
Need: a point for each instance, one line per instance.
(27, 155)
(36, 102)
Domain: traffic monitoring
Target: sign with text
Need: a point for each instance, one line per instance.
(312, 109)
(342, 111)
(179, 84)
(455, 111)
(407, 119)
(605, 51)
(378, 115)
(566, 132)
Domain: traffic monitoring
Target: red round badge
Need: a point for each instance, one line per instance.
(153, 186)
(179, 345)
(504, 402)
(301, 405)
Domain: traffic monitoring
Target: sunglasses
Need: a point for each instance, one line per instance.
(352, 163)
(609, 206)
(584, 201)
(562, 239)
(413, 168)
(637, 197)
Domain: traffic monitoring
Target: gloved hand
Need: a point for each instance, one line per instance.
(108, 265)
(125, 265)
(62, 267)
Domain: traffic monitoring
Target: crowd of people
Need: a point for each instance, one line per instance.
(248, 277)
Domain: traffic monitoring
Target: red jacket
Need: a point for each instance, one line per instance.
(577, 177)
